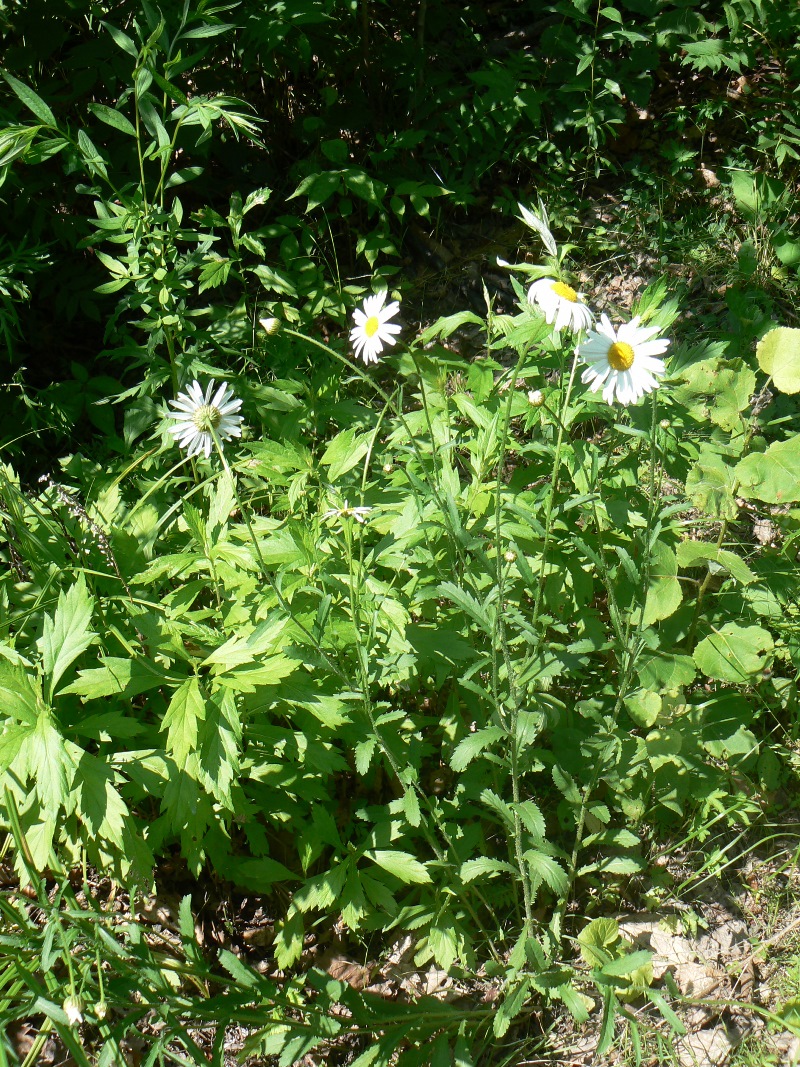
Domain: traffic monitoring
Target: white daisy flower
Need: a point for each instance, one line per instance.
(359, 514)
(561, 305)
(623, 362)
(373, 329)
(198, 414)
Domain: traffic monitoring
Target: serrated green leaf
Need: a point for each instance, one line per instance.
(344, 452)
(101, 807)
(483, 866)
(473, 745)
(531, 818)
(68, 633)
(544, 868)
(186, 711)
(126, 677)
(401, 864)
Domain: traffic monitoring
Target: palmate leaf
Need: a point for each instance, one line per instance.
(68, 633)
(47, 761)
(100, 807)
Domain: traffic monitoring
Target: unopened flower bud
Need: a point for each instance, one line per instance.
(509, 556)
(73, 1009)
(101, 1010)
(388, 468)
(535, 398)
(664, 424)
(271, 326)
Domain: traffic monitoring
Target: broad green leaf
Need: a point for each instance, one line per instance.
(472, 745)
(717, 390)
(774, 475)
(710, 486)
(186, 711)
(598, 941)
(663, 671)
(733, 653)
(68, 633)
(31, 101)
(778, 355)
(643, 707)
(401, 864)
(664, 593)
(696, 553)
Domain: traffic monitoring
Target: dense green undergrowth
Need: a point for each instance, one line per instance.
(409, 642)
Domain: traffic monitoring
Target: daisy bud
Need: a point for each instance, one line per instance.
(664, 424)
(101, 1010)
(535, 398)
(73, 1009)
(509, 556)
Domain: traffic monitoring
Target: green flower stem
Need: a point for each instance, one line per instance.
(548, 523)
(387, 399)
(500, 634)
(265, 570)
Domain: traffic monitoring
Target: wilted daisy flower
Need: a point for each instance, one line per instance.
(73, 1009)
(561, 305)
(359, 514)
(271, 326)
(373, 329)
(622, 361)
(198, 414)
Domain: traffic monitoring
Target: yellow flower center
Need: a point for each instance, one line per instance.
(371, 326)
(620, 356)
(207, 418)
(566, 292)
